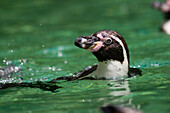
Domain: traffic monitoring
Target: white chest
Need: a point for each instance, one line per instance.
(111, 70)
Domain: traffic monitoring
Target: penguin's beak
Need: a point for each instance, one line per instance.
(83, 42)
(89, 43)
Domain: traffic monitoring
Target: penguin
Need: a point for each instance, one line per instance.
(112, 53)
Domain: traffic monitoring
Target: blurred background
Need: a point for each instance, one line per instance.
(38, 37)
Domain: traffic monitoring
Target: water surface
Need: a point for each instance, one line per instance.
(38, 36)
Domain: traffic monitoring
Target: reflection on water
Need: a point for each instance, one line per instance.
(122, 89)
(74, 96)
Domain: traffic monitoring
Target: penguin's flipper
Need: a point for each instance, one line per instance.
(134, 71)
(83, 73)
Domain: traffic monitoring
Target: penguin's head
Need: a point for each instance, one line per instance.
(105, 45)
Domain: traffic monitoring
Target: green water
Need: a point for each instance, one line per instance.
(41, 34)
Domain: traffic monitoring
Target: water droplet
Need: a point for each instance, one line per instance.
(60, 54)
(11, 51)
(134, 76)
(16, 69)
(70, 73)
(156, 65)
(60, 48)
(53, 68)
(45, 78)
(49, 68)
(24, 60)
(8, 62)
(45, 51)
(31, 79)
(59, 69)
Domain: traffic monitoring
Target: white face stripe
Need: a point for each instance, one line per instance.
(120, 42)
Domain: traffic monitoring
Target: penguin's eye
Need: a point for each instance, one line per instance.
(108, 41)
(89, 40)
(104, 35)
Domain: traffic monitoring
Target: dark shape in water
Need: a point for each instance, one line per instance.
(38, 84)
(165, 8)
(115, 109)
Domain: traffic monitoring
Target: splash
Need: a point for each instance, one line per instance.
(11, 73)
